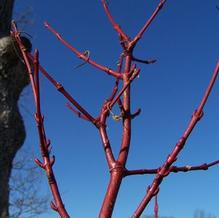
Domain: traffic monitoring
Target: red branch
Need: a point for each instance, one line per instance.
(79, 114)
(48, 162)
(173, 169)
(156, 208)
(126, 72)
(147, 24)
(68, 96)
(134, 75)
(117, 28)
(81, 55)
(165, 169)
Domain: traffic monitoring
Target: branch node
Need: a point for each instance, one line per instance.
(53, 206)
(156, 192)
(59, 86)
(81, 56)
(117, 167)
(136, 113)
(115, 116)
(198, 114)
(188, 167)
(182, 141)
(48, 143)
(39, 163)
(52, 160)
(204, 166)
(148, 188)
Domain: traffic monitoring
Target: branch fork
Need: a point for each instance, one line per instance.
(126, 72)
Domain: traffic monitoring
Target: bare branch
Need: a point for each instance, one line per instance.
(44, 146)
(135, 73)
(82, 55)
(151, 61)
(123, 37)
(79, 114)
(68, 96)
(165, 169)
(147, 24)
(156, 208)
(173, 169)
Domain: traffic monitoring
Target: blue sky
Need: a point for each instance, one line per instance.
(184, 40)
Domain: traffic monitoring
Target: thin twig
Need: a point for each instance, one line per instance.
(68, 96)
(165, 169)
(173, 169)
(151, 61)
(147, 24)
(117, 28)
(57, 205)
(82, 55)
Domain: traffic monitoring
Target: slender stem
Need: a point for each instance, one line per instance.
(147, 24)
(165, 169)
(117, 28)
(36, 78)
(126, 137)
(148, 61)
(208, 90)
(62, 90)
(118, 168)
(135, 74)
(173, 169)
(156, 208)
(82, 55)
(48, 163)
(79, 114)
(104, 137)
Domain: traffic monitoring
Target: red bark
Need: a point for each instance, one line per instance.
(125, 73)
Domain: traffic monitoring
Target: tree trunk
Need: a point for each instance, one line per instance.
(6, 9)
(13, 78)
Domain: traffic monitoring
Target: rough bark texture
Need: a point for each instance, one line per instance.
(13, 78)
(6, 9)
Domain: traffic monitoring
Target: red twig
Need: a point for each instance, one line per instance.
(126, 138)
(135, 74)
(115, 88)
(150, 61)
(156, 207)
(62, 90)
(117, 28)
(147, 24)
(82, 55)
(104, 137)
(117, 166)
(48, 162)
(165, 169)
(173, 169)
(79, 114)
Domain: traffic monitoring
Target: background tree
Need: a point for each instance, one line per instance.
(202, 214)
(26, 199)
(23, 189)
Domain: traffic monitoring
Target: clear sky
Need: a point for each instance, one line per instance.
(184, 40)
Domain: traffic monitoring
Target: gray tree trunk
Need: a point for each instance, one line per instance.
(13, 78)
